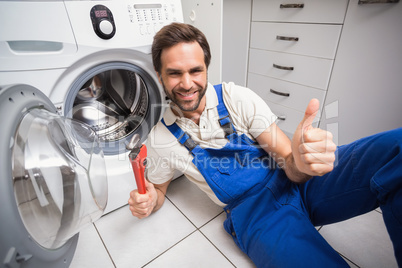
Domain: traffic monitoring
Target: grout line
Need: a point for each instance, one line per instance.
(213, 218)
(103, 242)
(196, 229)
(199, 230)
(343, 256)
(170, 247)
(181, 211)
(319, 229)
(217, 248)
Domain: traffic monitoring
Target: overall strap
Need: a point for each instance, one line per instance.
(181, 136)
(224, 118)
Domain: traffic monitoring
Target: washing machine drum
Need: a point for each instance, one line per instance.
(53, 180)
(115, 99)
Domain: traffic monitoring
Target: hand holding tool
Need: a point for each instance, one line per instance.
(138, 160)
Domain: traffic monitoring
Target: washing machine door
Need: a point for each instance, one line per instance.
(53, 180)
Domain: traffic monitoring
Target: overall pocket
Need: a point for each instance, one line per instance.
(230, 184)
(232, 170)
(284, 191)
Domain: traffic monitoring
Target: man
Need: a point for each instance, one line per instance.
(225, 140)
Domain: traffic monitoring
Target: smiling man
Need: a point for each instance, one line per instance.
(274, 191)
(183, 76)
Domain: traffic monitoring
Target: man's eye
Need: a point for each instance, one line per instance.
(174, 73)
(196, 71)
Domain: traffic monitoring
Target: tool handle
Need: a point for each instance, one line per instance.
(138, 165)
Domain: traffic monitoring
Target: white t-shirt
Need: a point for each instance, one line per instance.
(249, 115)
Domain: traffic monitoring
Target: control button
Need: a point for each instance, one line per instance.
(106, 27)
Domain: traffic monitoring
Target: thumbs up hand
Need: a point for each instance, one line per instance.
(313, 149)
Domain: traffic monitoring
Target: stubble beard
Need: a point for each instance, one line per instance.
(182, 104)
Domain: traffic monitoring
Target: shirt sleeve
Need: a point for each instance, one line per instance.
(248, 110)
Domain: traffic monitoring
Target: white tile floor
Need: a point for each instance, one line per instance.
(188, 232)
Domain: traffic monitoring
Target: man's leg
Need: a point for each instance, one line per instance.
(272, 228)
(368, 174)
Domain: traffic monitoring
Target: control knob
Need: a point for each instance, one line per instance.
(103, 22)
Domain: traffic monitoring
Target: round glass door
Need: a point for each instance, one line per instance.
(59, 176)
(117, 100)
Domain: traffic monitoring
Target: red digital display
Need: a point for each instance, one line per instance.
(100, 13)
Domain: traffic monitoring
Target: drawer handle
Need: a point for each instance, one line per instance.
(291, 5)
(279, 93)
(362, 2)
(283, 67)
(282, 117)
(287, 38)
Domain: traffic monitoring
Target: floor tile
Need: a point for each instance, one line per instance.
(90, 251)
(215, 232)
(194, 251)
(193, 202)
(363, 240)
(351, 264)
(133, 243)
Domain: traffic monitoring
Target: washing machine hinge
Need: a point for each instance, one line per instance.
(13, 259)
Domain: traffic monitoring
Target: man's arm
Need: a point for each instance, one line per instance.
(278, 146)
(311, 152)
(142, 205)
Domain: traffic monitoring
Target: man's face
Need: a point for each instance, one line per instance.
(184, 75)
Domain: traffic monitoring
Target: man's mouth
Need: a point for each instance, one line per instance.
(186, 95)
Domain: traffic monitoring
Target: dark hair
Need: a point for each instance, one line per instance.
(174, 34)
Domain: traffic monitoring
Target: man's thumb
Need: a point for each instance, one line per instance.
(310, 113)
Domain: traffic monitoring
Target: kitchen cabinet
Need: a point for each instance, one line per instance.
(292, 51)
(365, 91)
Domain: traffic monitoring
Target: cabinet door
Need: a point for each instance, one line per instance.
(366, 83)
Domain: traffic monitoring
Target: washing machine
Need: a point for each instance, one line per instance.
(92, 59)
(76, 83)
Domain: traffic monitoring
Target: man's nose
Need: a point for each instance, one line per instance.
(186, 81)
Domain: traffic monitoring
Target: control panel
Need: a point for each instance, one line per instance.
(122, 23)
(151, 17)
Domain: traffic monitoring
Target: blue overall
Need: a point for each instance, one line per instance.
(272, 219)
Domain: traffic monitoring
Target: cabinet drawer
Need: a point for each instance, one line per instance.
(313, 11)
(289, 119)
(309, 71)
(288, 94)
(316, 40)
